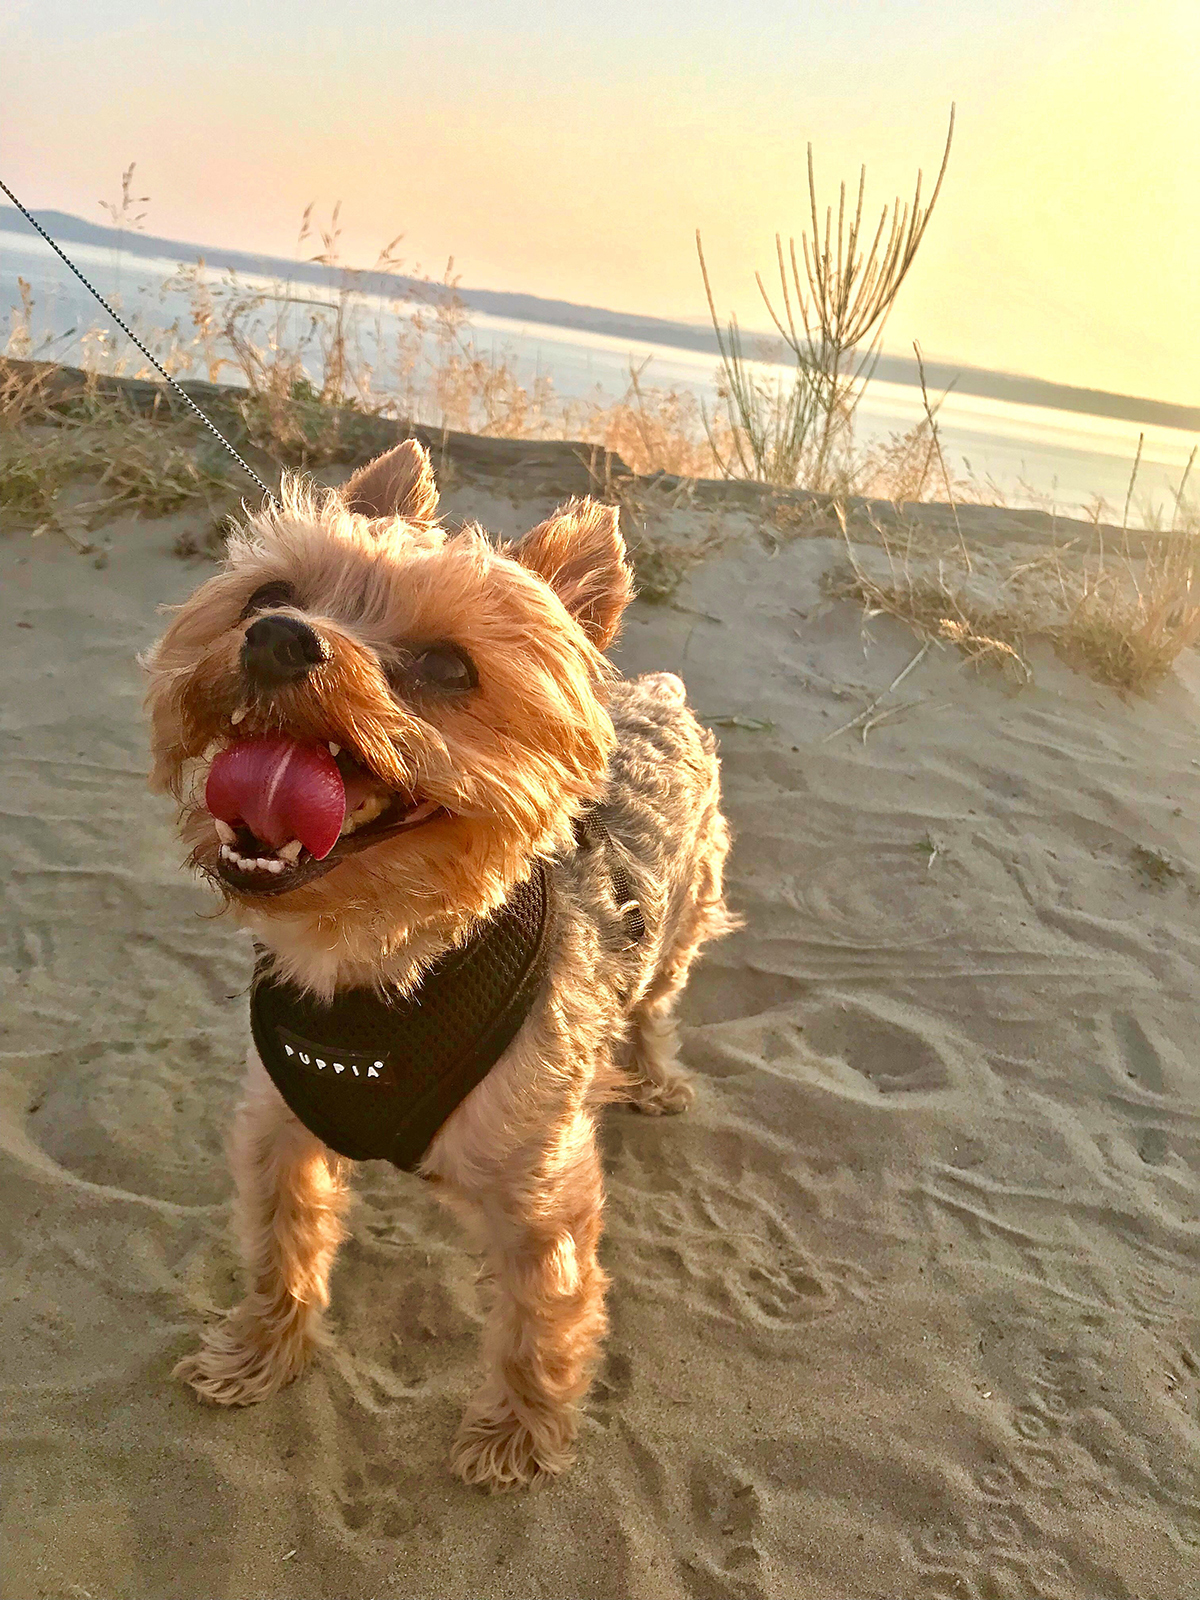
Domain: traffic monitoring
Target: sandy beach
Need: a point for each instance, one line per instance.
(905, 1307)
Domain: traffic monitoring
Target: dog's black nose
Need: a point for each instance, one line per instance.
(281, 650)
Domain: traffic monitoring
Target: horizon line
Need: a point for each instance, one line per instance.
(513, 305)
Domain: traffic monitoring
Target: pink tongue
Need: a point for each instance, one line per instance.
(280, 790)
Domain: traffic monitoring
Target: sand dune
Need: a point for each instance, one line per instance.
(906, 1307)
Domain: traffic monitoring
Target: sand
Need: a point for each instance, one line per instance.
(906, 1306)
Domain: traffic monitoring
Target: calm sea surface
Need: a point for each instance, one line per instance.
(1034, 455)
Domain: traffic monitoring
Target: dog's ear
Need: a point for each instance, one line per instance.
(397, 484)
(580, 553)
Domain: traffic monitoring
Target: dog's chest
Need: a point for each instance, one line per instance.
(374, 1077)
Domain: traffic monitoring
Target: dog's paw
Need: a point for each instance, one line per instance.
(497, 1450)
(662, 1098)
(239, 1363)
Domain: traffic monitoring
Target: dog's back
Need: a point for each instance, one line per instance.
(662, 806)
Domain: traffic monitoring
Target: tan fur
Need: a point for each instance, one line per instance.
(398, 484)
(577, 551)
(548, 730)
(292, 1196)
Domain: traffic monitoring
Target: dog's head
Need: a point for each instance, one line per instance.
(367, 718)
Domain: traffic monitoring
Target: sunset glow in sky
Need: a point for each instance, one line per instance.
(571, 151)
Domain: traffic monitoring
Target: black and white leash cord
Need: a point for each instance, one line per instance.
(129, 334)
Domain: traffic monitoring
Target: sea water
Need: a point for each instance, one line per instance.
(1033, 455)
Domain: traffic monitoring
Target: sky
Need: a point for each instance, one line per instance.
(571, 150)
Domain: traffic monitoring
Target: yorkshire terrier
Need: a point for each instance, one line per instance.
(477, 865)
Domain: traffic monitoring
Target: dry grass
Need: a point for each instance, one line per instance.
(269, 341)
(940, 599)
(1126, 625)
(305, 384)
(308, 383)
(128, 460)
(660, 566)
(299, 357)
(305, 395)
(651, 429)
(1123, 620)
(652, 526)
(23, 390)
(31, 478)
(156, 469)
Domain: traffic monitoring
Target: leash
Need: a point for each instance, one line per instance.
(129, 334)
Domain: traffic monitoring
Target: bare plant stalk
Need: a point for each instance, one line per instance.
(124, 215)
(20, 336)
(931, 419)
(769, 429)
(1179, 493)
(833, 315)
(1137, 461)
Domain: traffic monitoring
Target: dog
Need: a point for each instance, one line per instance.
(404, 761)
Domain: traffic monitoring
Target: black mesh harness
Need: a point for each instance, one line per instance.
(375, 1076)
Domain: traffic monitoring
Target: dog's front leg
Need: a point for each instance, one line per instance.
(542, 1224)
(292, 1195)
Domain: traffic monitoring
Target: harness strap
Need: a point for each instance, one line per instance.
(375, 1076)
(590, 832)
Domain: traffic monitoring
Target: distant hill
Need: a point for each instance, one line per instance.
(528, 308)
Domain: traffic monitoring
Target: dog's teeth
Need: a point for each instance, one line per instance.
(290, 851)
(225, 833)
(251, 863)
(334, 749)
(372, 807)
(239, 715)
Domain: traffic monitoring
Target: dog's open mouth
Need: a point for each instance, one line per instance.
(286, 812)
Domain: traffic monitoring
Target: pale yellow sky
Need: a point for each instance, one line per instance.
(572, 154)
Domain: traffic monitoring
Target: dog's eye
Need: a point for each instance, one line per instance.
(268, 595)
(445, 666)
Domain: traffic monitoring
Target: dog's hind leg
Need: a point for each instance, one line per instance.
(292, 1195)
(658, 1085)
(541, 1221)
